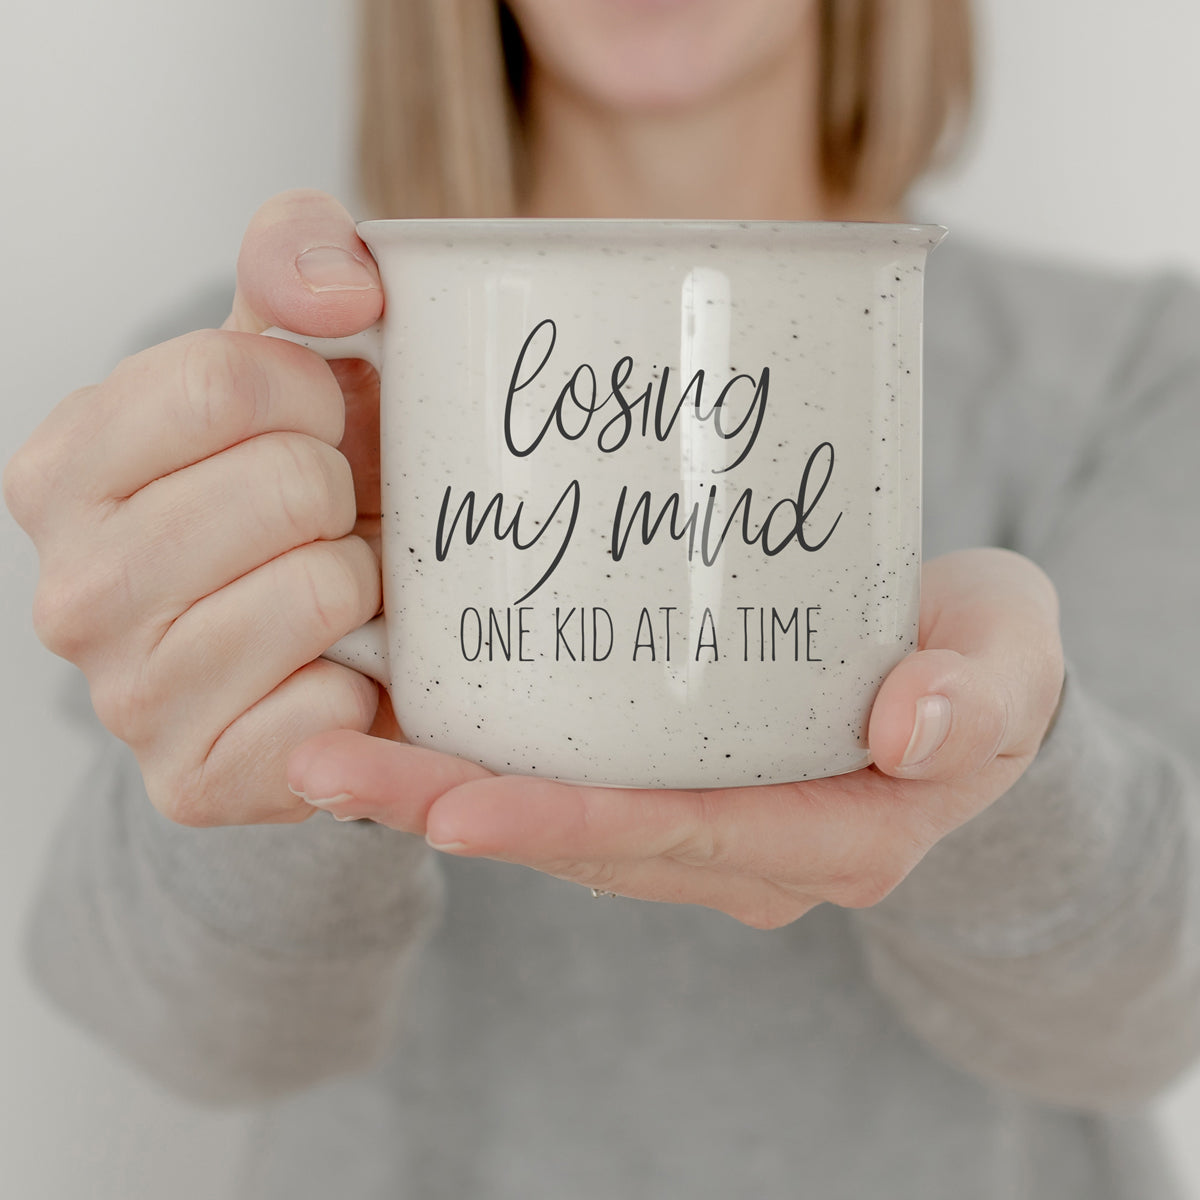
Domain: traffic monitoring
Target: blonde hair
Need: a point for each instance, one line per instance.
(440, 129)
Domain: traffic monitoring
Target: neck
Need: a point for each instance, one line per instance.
(750, 154)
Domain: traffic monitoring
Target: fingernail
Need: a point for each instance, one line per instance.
(326, 803)
(930, 727)
(332, 269)
(448, 847)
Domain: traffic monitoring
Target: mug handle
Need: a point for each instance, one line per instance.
(366, 649)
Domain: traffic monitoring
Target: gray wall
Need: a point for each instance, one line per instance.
(138, 137)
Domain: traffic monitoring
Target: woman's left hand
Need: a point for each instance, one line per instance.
(951, 730)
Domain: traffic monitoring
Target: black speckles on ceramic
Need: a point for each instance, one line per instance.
(571, 635)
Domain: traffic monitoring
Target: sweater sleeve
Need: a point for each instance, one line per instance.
(1053, 943)
(229, 964)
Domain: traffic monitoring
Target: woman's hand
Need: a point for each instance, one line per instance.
(952, 729)
(198, 518)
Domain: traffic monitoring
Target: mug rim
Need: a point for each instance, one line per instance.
(384, 230)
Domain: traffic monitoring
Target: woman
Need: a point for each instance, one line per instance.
(985, 947)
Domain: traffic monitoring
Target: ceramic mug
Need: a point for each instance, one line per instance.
(650, 491)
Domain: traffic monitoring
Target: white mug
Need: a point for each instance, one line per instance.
(650, 491)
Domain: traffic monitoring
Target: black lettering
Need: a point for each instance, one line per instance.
(644, 623)
(496, 638)
(808, 646)
(462, 634)
(494, 509)
(649, 530)
(522, 634)
(756, 412)
(793, 624)
(667, 610)
(514, 387)
(560, 641)
(596, 655)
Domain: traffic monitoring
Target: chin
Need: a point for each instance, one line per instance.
(659, 55)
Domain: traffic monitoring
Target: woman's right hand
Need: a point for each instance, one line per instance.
(203, 521)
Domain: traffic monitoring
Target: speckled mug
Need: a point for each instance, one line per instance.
(651, 491)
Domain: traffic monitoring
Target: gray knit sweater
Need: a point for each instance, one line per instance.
(425, 1028)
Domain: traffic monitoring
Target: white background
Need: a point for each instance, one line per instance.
(138, 137)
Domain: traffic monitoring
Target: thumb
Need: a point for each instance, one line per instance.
(987, 677)
(302, 266)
